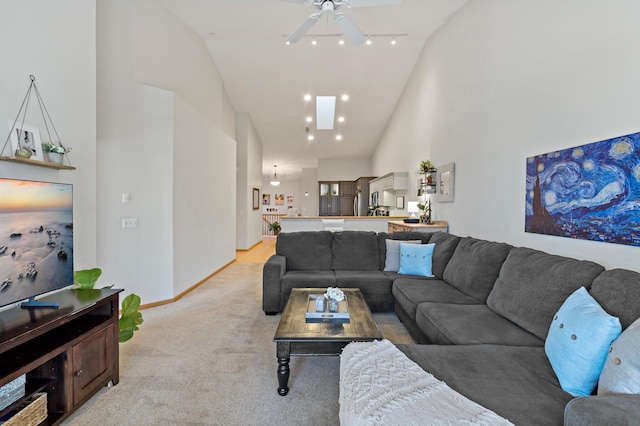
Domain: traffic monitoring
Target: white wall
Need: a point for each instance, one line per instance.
(163, 146)
(504, 80)
(310, 193)
(344, 168)
(286, 187)
(249, 176)
(55, 41)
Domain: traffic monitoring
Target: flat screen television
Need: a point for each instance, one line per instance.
(36, 239)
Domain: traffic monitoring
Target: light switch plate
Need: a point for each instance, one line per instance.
(130, 222)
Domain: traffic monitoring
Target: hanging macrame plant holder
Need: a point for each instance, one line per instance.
(18, 126)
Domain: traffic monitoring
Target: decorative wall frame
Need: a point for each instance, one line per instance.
(588, 192)
(400, 202)
(445, 183)
(256, 198)
(28, 137)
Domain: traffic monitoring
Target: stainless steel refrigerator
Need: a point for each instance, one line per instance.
(361, 201)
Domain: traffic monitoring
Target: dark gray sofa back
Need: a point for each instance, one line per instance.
(445, 247)
(618, 292)
(533, 285)
(355, 251)
(475, 265)
(307, 250)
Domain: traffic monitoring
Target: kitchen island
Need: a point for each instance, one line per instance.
(336, 223)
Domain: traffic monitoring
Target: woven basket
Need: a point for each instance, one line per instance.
(34, 413)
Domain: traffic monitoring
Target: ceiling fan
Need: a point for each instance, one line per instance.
(330, 8)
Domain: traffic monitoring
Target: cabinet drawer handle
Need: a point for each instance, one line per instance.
(79, 373)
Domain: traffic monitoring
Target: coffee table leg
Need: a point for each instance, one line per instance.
(284, 355)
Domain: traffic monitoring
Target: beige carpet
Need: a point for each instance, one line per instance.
(209, 359)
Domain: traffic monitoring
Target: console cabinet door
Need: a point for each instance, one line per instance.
(92, 363)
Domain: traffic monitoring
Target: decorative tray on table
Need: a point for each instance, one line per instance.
(318, 311)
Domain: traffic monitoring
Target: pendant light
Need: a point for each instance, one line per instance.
(274, 181)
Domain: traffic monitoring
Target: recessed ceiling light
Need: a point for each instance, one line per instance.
(341, 119)
(309, 119)
(310, 137)
(345, 97)
(338, 137)
(307, 98)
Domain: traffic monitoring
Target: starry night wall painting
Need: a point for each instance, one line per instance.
(589, 192)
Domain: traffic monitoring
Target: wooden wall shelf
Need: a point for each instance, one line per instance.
(37, 163)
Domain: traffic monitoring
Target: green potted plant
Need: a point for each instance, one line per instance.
(275, 227)
(130, 318)
(55, 153)
(426, 166)
(425, 208)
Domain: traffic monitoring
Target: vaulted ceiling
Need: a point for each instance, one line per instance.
(268, 79)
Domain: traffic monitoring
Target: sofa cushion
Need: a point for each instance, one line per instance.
(475, 265)
(533, 285)
(424, 237)
(578, 340)
(416, 259)
(355, 250)
(445, 246)
(618, 292)
(453, 324)
(621, 372)
(306, 250)
(500, 378)
(392, 259)
(313, 279)
(619, 410)
(369, 282)
(410, 292)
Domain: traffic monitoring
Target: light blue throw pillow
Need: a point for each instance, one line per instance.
(416, 259)
(392, 260)
(578, 341)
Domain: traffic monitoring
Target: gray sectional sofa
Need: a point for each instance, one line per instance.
(480, 322)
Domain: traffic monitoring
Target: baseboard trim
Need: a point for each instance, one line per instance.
(185, 292)
(247, 249)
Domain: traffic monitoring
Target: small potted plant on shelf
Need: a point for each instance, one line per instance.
(54, 152)
(275, 227)
(426, 166)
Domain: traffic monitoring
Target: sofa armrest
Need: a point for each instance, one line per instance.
(272, 272)
(603, 410)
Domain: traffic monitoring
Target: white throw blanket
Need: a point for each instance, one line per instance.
(380, 385)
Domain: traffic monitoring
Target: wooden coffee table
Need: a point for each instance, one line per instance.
(296, 336)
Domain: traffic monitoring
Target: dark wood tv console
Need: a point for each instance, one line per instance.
(69, 352)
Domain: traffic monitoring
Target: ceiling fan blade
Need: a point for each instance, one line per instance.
(303, 28)
(349, 29)
(365, 3)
